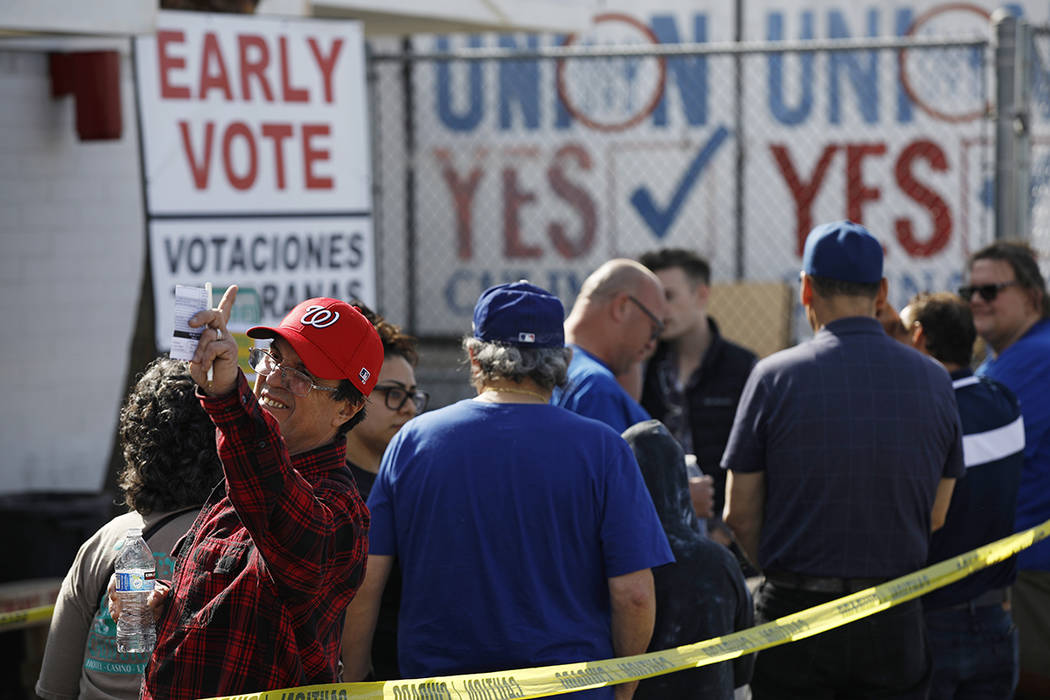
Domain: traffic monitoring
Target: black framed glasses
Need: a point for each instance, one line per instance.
(299, 383)
(988, 292)
(395, 396)
(658, 325)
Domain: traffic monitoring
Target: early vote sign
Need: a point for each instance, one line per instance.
(253, 115)
(257, 171)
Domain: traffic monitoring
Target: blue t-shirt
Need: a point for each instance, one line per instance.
(984, 500)
(1024, 368)
(854, 432)
(507, 521)
(592, 391)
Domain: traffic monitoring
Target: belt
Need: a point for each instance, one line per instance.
(821, 584)
(995, 597)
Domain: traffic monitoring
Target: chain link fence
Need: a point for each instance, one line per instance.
(506, 157)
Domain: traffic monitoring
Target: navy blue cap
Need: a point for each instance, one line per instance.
(843, 250)
(520, 314)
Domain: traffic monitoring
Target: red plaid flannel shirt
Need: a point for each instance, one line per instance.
(266, 572)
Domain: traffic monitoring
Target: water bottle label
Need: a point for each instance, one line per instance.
(134, 581)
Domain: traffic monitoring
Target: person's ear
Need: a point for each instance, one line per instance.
(805, 290)
(703, 293)
(917, 336)
(1034, 298)
(347, 410)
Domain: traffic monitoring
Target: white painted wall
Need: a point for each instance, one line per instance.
(71, 261)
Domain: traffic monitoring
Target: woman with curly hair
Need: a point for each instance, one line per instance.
(170, 468)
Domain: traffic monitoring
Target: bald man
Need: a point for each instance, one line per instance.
(617, 317)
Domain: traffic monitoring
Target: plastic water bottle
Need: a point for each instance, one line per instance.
(135, 572)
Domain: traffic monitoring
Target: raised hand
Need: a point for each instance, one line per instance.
(216, 350)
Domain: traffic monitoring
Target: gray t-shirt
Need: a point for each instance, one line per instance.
(81, 658)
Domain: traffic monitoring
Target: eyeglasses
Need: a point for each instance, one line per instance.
(395, 397)
(299, 383)
(658, 325)
(988, 292)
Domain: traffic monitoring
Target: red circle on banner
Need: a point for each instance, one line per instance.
(578, 112)
(906, 82)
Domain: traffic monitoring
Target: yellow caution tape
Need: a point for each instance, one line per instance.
(566, 678)
(24, 617)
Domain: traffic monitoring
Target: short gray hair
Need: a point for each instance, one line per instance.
(548, 367)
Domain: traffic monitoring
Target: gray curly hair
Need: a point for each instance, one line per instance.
(493, 361)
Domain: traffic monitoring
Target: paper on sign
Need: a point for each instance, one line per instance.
(188, 301)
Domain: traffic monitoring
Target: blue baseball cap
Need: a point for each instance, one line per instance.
(843, 250)
(520, 314)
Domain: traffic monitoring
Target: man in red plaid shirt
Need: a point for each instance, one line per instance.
(265, 573)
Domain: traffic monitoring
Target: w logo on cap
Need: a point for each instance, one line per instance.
(319, 317)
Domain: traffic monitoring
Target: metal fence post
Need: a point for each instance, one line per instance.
(411, 215)
(376, 157)
(1012, 148)
(739, 142)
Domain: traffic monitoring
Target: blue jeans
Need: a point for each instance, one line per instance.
(975, 653)
(882, 656)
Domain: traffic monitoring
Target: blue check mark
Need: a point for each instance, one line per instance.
(660, 220)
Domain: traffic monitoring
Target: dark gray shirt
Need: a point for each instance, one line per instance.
(854, 432)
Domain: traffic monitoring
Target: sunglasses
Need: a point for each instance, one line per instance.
(988, 292)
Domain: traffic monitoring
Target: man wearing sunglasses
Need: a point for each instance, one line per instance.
(616, 320)
(264, 575)
(1007, 295)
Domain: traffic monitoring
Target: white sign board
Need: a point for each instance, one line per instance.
(256, 159)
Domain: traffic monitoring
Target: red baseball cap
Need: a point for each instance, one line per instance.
(332, 339)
